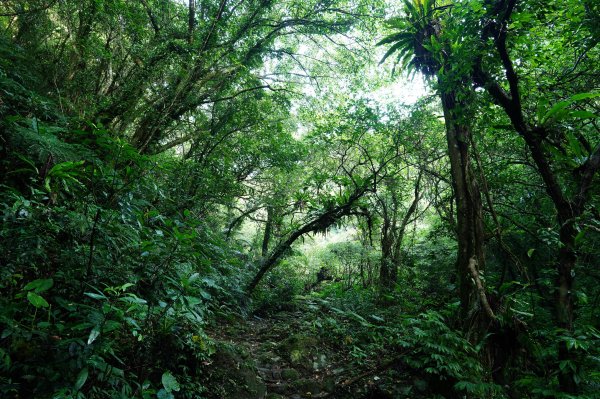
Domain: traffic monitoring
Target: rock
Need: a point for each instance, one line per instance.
(278, 388)
(307, 387)
(244, 353)
(233, 375)
(300, 349)
(251, 387)
(319, 362)
(290, 374)
(268, 358)
(420, 384)
(329, 384)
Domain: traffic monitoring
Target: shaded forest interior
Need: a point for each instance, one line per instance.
(304, 199)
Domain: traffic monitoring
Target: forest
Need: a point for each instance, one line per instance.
(263, 199)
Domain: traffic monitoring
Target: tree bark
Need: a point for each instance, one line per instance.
(567, 258)
(481, 289)
(470, 230)
(191, 20)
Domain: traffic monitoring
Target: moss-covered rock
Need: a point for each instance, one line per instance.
(299, 349)
(307, 386)
(268, 358)
(290, 374)
(328, 384)
(233, 375)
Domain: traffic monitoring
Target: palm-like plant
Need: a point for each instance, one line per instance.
(416, 33)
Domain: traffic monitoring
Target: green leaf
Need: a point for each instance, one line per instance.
(580, 235)
(193, 277)
(394, 38)
(541, 109)
(209, 282)
(37, 300)
(93, 335)
(29, 162)
(126, 285)
(411, 10)
(162, 394)
(584, 96)
(94, 295)
(522, 313)
(191, 301)
(530, 252)
(65, 169)
(377, 318)
(81, 379)
(584, 115)
(39, 285)
(205, 294)
(574, 144)
(397, 46)
(170, 382)
(557, 110)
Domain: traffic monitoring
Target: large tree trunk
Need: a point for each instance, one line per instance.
(567, 258)
(191, 20)
(388, 271)
(469, 212)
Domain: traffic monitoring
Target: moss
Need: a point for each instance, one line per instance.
(290, 374)
(306, 386)
(299, 349)
(235, 375)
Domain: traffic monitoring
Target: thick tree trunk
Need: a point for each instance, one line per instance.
(567, 258)
(391, 247)
(386, 283)
(191, 20)
(387, 270)
(469, 211)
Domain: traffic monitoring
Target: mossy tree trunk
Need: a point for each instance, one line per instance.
(469, 214)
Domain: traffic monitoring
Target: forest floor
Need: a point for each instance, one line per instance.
(286, 354)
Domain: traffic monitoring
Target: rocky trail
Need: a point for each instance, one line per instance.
(283, 356)
(292, 365)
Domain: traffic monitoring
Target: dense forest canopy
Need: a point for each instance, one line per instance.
(309, 198)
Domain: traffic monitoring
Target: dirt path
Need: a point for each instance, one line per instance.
(277, 358)
(291, 363)
(285, 356)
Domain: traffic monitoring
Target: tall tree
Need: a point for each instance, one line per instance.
(421, 46)
(548, 139)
